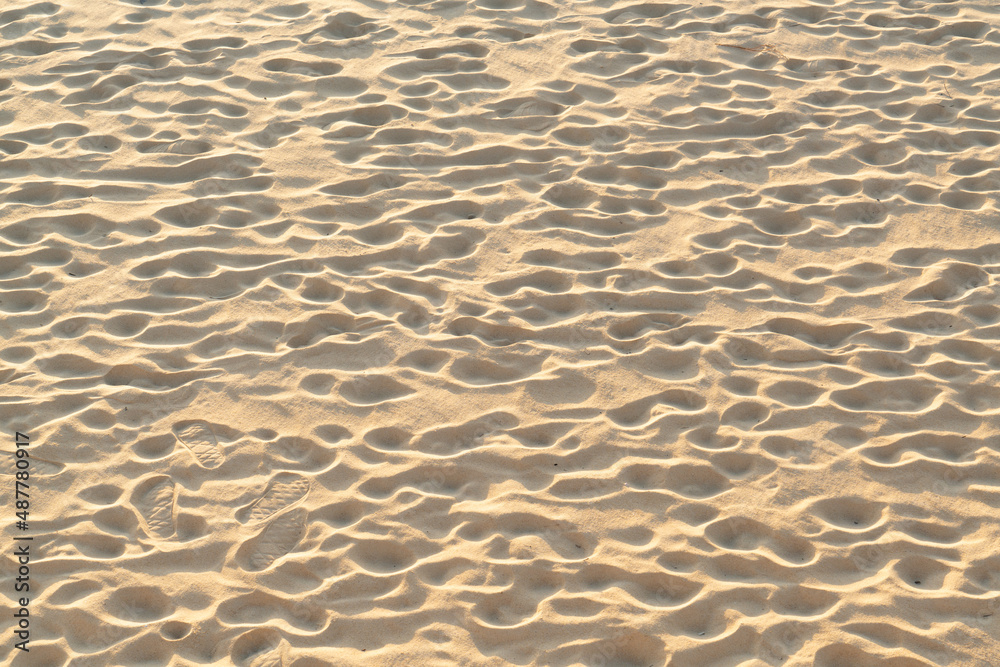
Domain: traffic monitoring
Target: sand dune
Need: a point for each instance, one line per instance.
(492, 332)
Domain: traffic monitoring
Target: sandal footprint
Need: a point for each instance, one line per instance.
(200, 439)
(281, 535)
(154, 499)
(284, 490)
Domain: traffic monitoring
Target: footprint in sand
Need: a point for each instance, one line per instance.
(280, 536)
(154, 499)
(284, 490)
(272, 659)
(198, 437)
(261, 647)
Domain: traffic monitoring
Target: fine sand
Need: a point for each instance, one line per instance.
(502, 332)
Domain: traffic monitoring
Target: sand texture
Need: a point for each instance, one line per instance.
(503, 332)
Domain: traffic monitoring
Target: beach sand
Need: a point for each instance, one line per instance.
(501, 332)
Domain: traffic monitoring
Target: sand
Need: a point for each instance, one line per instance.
(502, 332)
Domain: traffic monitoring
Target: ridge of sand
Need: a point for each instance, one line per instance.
(504, 332)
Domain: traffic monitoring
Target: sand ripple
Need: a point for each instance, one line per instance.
(490, 332)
